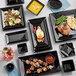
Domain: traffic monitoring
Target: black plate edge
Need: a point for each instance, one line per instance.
(15, 3)
(20, 65)
(31, 11)
(49, 40)
(16, 32)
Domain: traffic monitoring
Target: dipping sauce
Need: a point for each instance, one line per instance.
(49, 59)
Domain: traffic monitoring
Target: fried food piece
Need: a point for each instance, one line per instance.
(45, 64)
(40, 62)
(28, 71)
(36, 64)
(27, 62)
(32, 68)
(35, 60)
(44, 68)
(64, 29)
(32, 63)
(39, 70)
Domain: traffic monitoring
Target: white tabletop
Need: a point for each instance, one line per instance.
(44, 13)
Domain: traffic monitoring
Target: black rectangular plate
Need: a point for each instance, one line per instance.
(18, 36)
(46, 45)
(42, 56)
(59, 37)
(39, 3)
(20, 9)
(12, 2)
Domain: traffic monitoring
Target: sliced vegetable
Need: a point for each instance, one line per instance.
(60, 20)
(12, 17)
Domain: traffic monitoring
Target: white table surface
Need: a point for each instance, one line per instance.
(44, 13)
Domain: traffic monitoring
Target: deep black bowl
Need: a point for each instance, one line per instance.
(10, 67)
(56, 4)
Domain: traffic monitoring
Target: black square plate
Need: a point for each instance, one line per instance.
(41, 56)
(67, 50)
(34, 6)
(20, 9)
(22, 48)
(58, 36)
(11, 2)
(46, 44)
(68, 65)
(18, 36)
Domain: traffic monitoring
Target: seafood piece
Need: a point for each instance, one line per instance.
(35, 60)
(32, 68)
(28, 71)
(45, 64)
(39, 70)
(40, 62)
(32, 63)
(27, 62)
(44, 68)
(50, 67)
(36, 64)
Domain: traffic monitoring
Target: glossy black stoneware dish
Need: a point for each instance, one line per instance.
(56, 4)
(20, 9)
(12, 2)
(15, 37)
(68, 66)
(67, 50)
(22, 48)
(41, 56)
(40, 46)
(57, 35)
(39, 3)
(10, 67)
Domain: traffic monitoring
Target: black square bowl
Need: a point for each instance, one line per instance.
(12, 2)
(22, 48)
(68, 65)
(20, 9)
(67, 50)
(40, 46)
(57, 35)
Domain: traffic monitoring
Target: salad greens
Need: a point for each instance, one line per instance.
(60, 20)
(12, 17)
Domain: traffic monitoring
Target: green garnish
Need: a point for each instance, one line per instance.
(60, 20)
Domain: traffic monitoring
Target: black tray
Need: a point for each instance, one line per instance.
(38, 2)
(42, 56)
(21, 25)
(12, 2)
(18, 36)
(59, 37)
(43, 24)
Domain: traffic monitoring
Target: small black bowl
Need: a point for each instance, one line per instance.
(56, 4)
(10, 67)
(68, 66)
